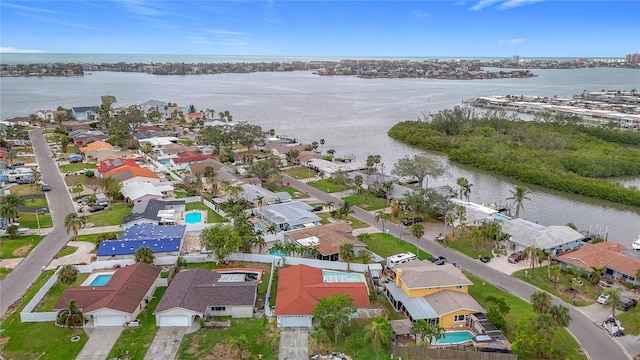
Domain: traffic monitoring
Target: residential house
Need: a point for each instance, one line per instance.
(83, 137)
(281, 150)
(285, 216)
(150, 105)
(96, 146)
(606, 255)
(84, 112)
(329, 168)
(219, 122)
(128, 173)
(163, 240)
(118, 301)
(138, 191)
(154, 211)
(184, 158)
(259, 196)
(107, 165)
(189, 117)
(326, 238)
(200, 293)
(198, 168)
(475, 214)
(301, 287)
(553, 240)
(49, 115)
(437, 294)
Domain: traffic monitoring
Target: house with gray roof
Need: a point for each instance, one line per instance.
(285, 216)
(84, 112)
(554, 240)
(154, 211)
(200, 293)
(258, 195)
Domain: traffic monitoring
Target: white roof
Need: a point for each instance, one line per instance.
(527, 233)
(160, 141)
(474, 212)
(332, 168)
(137, 189)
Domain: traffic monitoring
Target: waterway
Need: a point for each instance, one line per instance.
(353, 116)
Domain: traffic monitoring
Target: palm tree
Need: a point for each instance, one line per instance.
(320, 336)
(395, 208)
(74, 222)
(329, 205)
(36, 176)
(259, 241)
(365, 256)
(380, 216)
(378, 333)
(272, 229)
(434, 333)
(518, 196)
(144, 254)
(540, 302)
(345, 210)
(347, 254)
(417, 230)
(561, 315)
(614, 300)
(8, 211)
(387, 187)
(461, 216)
(555, 273)
(239, 343)
(449, 219)
(596, 274)
(419, 329)
(71, 317)
(358, 180)
(461, 182)
(68, 274)
(321, 145)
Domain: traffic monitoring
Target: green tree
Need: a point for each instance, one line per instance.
(292, 155)
(320, 336)
(365, 256)
(380, 215)
(498, 308)
(596, 274)
(68, 274)
(334, 313)
(435, 332)
(71, 317)
(560, 315)
(378, 334)
(419, 329)
(9, 211)
(11, 155)
(74, 222)
(540, 302)
(238, 343)
(417, 230)
(614, 300)
(420, 166)
(519, 195)
(144, 254)
(222, 240)
(111, 187)
(347, 254)
(528, 342)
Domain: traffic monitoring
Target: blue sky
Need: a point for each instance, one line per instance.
(479, 28)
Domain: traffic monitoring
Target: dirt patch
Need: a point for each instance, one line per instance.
(22, 251)
(218, 352)
(579, 297)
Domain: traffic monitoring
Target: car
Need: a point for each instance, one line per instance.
(440, 260)
(18, 163)
(83, 199)
(96, 208)
(627, 303)
(484, 259)
(515, 257)
(317, 208)
(603, 298)
(411, 220)
(46, 187)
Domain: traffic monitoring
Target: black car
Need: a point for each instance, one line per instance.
(627, 303)
(317, 208)
(411, 220)
(96, 208)
(484, 259)
(440, 260)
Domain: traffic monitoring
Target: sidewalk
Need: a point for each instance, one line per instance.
(82, 255)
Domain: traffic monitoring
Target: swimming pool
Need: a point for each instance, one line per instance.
(100, 280)
(338, 276)
(193, 218)
(455, 337)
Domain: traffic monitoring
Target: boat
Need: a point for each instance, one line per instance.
(636, 244)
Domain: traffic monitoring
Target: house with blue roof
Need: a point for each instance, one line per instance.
(163, 240)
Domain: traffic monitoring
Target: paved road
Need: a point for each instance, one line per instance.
(595, 342)
(16, 283)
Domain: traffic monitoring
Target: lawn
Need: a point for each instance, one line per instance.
(136, 340)
(300, 172)
(386, 245)
(212, 216)
(77, 167)
(19, 247)
(353, 342)
(563, 343)
(110, 216)
(295, 193)
(67, 250)
(206, 343)
(30, 340)
(72, 180)
(22, 190)
(36, 203)
(4, 272)
(630, 320)
(586, 295)
(29, 220)
(366, 202)
(355, 223)
(93, 238)
(327, 185)
(51, 298)
(464, 245)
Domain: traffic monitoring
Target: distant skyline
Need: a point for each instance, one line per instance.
(484, 28)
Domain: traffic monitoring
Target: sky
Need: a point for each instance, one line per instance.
(478, 28)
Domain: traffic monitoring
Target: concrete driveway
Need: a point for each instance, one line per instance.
(294, 344)
(101, 340)
(82, 255)
(166, 343)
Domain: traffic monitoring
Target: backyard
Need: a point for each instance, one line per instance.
(212, 216)
(50, 299)
(110, 216)
(328, 185)
(30, 220)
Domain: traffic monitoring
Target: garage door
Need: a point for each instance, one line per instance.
(174, 320)
(295, 321)
(110, 320)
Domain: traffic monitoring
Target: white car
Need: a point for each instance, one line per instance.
(603, 299)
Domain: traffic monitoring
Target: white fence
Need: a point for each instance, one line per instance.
(26, 315)
(104, 264)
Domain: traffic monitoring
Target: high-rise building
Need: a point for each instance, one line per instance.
(632, 58)
(515, 59)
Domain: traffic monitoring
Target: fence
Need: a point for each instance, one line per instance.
(26, 315)
(415, 352)
(104, 264)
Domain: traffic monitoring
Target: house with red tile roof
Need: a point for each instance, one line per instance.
(128, 173)
(186, 157)
(118, 301)
(301, 287)
(96, 146)
(112, 164)
(607, 255)
(326, 238)
(188, 117)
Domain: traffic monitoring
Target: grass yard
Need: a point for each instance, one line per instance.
(36, 203)
(72, 180)
(586, 295)
(366, 202)
(4, 272)
(22, 190)
(355, 223)
(300, 172)
(136, 340)
(67, 250)
(328, 186)
(77, 167)
(110, 216)
(563, 343)
(353, 342)
(386, 245)
(464, 245)
(206, 343)
(295, 193)
(94, 237)
(30, 340)
(212, 216)
(19, 247)
(630, 320)
(29, 220)
(51, 298)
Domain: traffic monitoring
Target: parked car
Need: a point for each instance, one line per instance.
(603, 298)
(46, 187)
(317, 208)
(83, 199)
(96, 208)
(627, 303)
(515, 257)
(484, 259)
(411, 220)
(440, 260)
(613, 327)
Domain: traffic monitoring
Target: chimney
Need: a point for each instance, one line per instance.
(398, 274)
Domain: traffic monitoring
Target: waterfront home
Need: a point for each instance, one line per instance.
(155, 212)
(163, 240)
(476, 214)
(84, 112)
(150, 105)
(329, 168)
(184, 158)
(607, 255)
(326, 239)
(118, 301)
(554, 240)
(285, 216)
(259, 196)
(200, 293)
(438, 294)
(301, 287)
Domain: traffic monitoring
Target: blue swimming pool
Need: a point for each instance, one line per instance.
(193, 218)
(101, 280)
(455, 337)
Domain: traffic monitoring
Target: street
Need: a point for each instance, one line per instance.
(597, 343)
(18, 281)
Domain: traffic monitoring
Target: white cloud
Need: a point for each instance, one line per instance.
(30, 8)
(511, 41)
(140, 8)
(21, 51)
(225, 32)
(420, 13)
(509, 4)
(483, 4)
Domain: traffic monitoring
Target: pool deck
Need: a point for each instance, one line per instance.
(94, 275)
(183, 217)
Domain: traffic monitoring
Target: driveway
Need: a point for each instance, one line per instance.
(82, 255)
(166, 343)
(502, 264)
(294, 344)
(101, 340)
